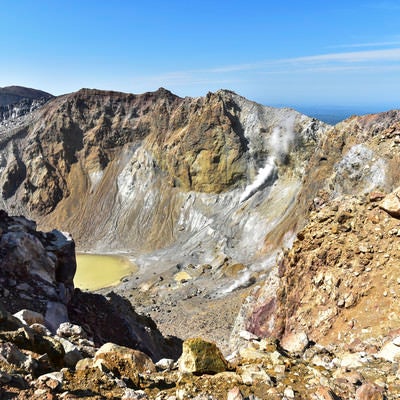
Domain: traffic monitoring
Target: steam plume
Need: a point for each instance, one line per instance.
(279, 145)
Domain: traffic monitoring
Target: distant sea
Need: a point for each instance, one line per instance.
(334, 114)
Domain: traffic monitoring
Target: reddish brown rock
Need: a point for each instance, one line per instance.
(369, 391)
(295, 342)
(333, 283)
(324, 393)
(391, 204)
(376, 196)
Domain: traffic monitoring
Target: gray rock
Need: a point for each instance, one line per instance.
(11, 354)
(289, 393)
(352, 360)
(234, 394)
(254, 373)
(130, 394)
(246, 335)
(390, 352)
(66, 329)
(72, 353)
(30, 317)
(165, 364)
(56, 314)
(52, 380)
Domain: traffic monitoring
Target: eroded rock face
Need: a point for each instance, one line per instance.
(36, 268)
(335, 263)
(113, 319)
(338, 278)
(165, 167)
(36, 283)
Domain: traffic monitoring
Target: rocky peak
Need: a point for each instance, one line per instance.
(13, 94)
(16, 105)
(207, 145)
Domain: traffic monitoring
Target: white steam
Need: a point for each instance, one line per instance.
(279, 146)
(261, 178)
(247, 278)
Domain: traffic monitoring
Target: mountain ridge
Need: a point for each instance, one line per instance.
(13, 94)
(204, 195)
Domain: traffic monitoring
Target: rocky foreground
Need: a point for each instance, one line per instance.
(60, 343)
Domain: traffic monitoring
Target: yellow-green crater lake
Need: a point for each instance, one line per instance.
(97, 271)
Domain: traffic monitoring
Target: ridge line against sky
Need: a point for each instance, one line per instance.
(289, 53)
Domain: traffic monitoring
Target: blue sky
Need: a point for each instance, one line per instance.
(294, 52)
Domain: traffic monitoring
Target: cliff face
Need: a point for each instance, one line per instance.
(218, 181)
(204, 178)
(36, 274)
(338, 282)
(203, 193)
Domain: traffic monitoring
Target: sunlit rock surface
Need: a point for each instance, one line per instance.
(202, 194)
(176, 180)
(36, 284)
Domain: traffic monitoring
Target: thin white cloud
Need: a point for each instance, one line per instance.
(370, 44)
(354, 56)
(385, 55)
(375, 61)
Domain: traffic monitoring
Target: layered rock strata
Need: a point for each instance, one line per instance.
(154, 171)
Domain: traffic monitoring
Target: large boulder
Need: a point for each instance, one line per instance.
(36, 271)
(295, 342)
(29, 317)
(201, 357)
(391, 203)
(370, 391)
(123, 362)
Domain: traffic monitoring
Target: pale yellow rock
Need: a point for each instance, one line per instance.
(391, 203)
(84, 363)
(123, 361)
(200, 357)
(182, 276)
